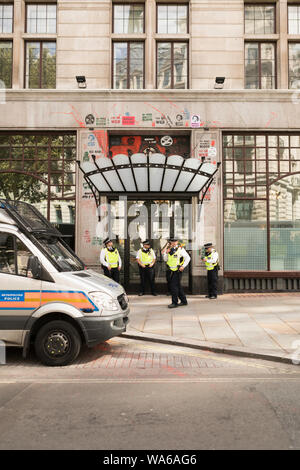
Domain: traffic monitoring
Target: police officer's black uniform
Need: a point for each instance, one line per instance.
(212, 266)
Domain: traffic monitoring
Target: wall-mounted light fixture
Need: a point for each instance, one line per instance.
(81, 81)
(219, 83)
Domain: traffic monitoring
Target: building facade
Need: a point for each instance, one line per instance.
(148, 90)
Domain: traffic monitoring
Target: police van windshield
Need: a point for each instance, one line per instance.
(60, 254)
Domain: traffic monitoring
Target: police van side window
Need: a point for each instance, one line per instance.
(23, 257)
(7, 254)
(14, 256)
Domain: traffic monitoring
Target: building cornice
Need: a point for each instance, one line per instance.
(153, 95)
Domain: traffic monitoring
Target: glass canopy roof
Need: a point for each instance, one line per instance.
(141, 173)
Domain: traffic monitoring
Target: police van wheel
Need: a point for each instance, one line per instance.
(57, 343)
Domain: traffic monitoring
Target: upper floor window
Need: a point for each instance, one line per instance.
(40, 64)
(41, 18)
(260, 65)
(172, 64)
(6, 18)
(128, 65)
(294, 65)
(260, 19)
(6, 63)
(172, 19)
(128, 18)
(294, 19)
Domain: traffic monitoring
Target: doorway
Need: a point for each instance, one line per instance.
(133, 220)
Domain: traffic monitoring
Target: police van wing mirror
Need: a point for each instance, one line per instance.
(34, 265)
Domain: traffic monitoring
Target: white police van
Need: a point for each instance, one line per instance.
(47, 297)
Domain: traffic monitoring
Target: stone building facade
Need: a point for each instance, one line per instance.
(150, 72)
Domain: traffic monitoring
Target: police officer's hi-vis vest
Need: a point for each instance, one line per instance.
(146, 257)
(174, 260)
(208, 261)
(112, 257)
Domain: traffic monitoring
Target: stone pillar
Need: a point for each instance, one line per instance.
(18, 45)
(150, 53)
(209, 228)
(282, 49)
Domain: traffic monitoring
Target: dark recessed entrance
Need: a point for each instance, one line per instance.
(137, 219)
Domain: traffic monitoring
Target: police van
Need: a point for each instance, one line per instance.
(48, 299)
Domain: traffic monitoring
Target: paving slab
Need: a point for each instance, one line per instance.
(262, 324)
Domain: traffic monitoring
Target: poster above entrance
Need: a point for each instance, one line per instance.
(150, 172)
(165, 144)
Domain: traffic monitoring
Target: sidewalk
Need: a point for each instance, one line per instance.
(257, 325)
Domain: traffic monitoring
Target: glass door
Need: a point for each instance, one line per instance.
(156, 220)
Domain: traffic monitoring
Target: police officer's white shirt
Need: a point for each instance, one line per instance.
(138, 255)
(184, 254)
(103, 259)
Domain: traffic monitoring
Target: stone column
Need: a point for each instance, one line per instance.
(18, 46)
(150, 54)
(282, 49)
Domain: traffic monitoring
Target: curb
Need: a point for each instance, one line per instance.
(213, 347)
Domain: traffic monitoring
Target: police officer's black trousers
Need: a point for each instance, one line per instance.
(114, 273)
(147, 274)
(212, 282)
(176, 288)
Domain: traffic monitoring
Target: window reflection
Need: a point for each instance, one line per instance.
(285, 224)
(40, 65)
(294, 65)
(6, 63)
(294, 19)
(6, 18)
(254, 164)
(128, 65)
(260, 67)
(172, 19)
(128, 19)
(245, 235)
(259, 19)
(41, 18)
(172, 65)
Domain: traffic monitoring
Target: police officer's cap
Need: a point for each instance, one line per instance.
(208, 245)
(107, 240)
(173, 240)
(146, 242)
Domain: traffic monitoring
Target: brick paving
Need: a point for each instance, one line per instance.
(125, 359)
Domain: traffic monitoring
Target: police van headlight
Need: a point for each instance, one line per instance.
(104, 301)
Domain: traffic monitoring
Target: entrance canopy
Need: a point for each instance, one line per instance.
(147, 173)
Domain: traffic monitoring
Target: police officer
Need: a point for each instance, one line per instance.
(110, 260)
(177, 259)
(211, 260)
(146, 260)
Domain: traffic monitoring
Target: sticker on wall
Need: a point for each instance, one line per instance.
(179, 120)
(195, 120)
(128, 120)
(212, 152)
(115, 120)
(166, 141)
(147, 116)
(160, 120)
(101, 121)
(89, 119)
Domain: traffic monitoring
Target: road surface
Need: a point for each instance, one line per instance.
(127, 394)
